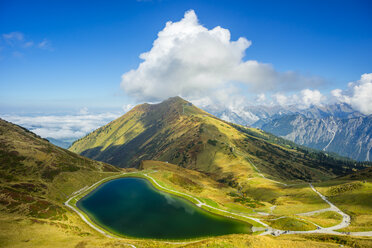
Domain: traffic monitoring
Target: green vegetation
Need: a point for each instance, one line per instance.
(182, 134)
(186, 183)
(288, 200)
(344, 188)
(245, 200)
(365, 174)
(291, 224)
(212, 142)
(354, 198)
(324, 219)
(35, 176)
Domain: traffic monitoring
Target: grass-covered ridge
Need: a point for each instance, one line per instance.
(180, 133)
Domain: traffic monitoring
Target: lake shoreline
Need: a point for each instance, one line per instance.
(76, 196)
(133, 207)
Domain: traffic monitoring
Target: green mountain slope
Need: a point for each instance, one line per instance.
(178, 132)
(36, 176)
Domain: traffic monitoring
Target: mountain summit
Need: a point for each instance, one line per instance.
(177, 131)
(149, 131)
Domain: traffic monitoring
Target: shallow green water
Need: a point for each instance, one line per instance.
(133, 207)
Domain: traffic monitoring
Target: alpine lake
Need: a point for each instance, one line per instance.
(133, 207)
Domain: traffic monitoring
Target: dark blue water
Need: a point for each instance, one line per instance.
(133, 207)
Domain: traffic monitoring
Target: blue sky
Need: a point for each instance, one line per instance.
(89, 45)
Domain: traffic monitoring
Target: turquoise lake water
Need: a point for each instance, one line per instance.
(133, 207)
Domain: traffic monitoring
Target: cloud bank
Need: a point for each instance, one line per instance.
(192, 61)
(69, 127)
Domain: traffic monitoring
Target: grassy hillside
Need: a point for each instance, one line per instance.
(259, 195)
(36, 176)
(178, 132)
(28, 218)
(354, 198)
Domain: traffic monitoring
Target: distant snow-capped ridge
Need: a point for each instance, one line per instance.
(335, 128)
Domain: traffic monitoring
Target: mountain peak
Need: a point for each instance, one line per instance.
(176, 100)
(172, 102)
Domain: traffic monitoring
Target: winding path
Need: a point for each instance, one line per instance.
(328, 230)
(345, 218)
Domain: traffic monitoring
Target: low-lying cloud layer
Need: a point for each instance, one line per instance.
(61, 127)
(192, 61)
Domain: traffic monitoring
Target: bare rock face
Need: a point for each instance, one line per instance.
(350, 137)
(334, 128)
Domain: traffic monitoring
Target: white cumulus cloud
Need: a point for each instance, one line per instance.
(311, 97)
(358, 94)
(190, 60)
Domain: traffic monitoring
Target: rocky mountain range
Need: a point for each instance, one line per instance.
(334, 128)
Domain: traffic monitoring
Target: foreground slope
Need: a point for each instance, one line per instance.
(36, 176)
(178, 132)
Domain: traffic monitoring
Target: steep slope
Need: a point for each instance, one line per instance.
(36, 176)
(351, 137)
(178, 132)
